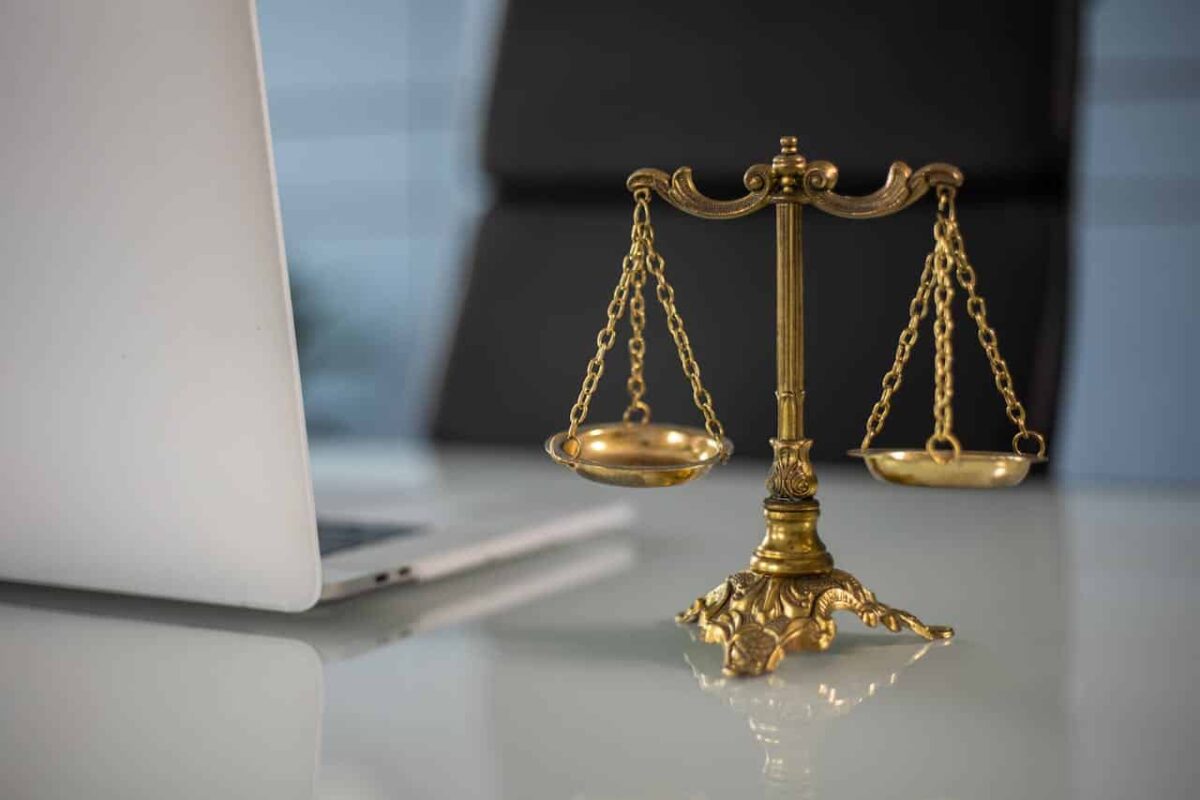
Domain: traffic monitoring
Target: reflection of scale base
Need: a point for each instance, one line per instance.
(787, 712)
(785, 776)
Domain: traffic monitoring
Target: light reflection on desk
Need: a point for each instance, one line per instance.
(92, 707)
(103, 696)
(787, 710)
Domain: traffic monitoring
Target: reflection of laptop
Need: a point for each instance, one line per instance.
(152, 436)
(124, 697)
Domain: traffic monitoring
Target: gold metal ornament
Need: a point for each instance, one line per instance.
(786, 599)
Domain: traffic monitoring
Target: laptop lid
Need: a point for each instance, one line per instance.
(152, 433)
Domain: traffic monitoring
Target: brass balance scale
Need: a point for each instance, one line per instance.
(786, 599)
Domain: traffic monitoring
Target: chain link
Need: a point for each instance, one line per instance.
(687, 359)
(641, 260)
(943, 339)
(638, 409)
(595, 367)
(918, 309)
(977, 308)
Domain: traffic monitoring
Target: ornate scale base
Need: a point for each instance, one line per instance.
(758, 618)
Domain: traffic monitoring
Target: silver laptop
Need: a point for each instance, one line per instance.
(152, 434)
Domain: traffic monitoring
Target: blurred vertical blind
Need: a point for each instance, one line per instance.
(375, 110)
(1131, 374)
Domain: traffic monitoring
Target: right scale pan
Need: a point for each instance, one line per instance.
(943, 461)
(972, 469)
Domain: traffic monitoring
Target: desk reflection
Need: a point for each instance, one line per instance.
(787, 710)
(117, 697)
(110, 708)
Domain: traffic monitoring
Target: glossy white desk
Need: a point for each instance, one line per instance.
(1072, 675)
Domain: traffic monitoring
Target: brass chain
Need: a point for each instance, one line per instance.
(641, 259)
(595, 367)
(918, 309)
(638, 409)
(687, 359)
(657, 265)
(948, 262)
(977, 308)
(943, 338)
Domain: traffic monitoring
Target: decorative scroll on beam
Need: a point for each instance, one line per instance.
(680, 191)
(903, 188)
(816, 181)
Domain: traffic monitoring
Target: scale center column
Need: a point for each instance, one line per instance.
(791, 545)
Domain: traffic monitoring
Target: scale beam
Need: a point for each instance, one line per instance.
(792, 179)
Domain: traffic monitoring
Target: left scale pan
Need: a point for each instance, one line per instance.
(639, 455)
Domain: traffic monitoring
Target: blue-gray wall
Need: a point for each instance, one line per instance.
(1131, 381)
(375, 112)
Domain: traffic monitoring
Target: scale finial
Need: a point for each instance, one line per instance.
(787, 166)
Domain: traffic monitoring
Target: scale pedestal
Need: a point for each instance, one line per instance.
(786, 599)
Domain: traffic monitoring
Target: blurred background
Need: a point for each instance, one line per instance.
(452, 185)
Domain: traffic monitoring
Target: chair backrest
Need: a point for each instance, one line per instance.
(585, 93)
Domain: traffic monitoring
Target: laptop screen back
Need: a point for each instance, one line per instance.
(150, 416)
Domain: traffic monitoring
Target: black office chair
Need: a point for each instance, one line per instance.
(586, 93)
